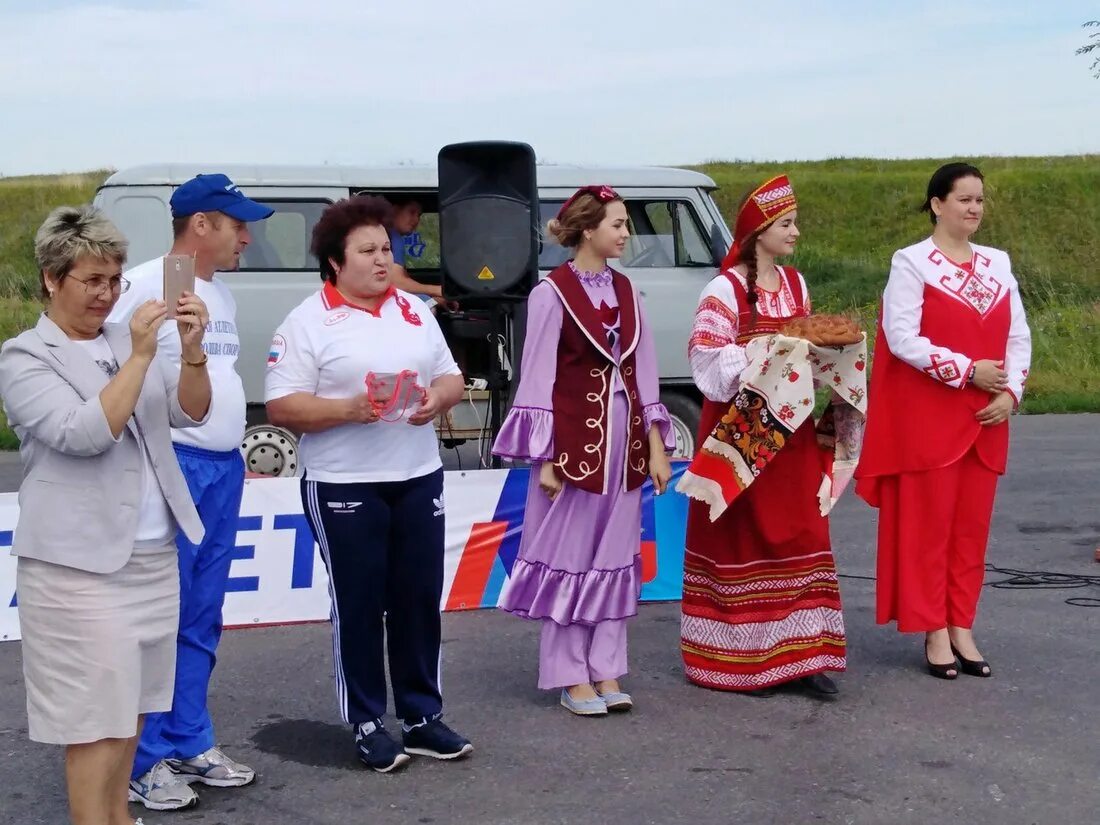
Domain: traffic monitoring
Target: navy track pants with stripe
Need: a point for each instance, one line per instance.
(382, 543)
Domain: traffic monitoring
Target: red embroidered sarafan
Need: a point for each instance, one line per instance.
(761, 604)
(583, 389)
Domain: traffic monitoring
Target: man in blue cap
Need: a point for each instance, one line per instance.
(210, 218)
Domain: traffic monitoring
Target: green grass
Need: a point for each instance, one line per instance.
(1045, 212)
(16, 315)
(24, 204)
(853, 214)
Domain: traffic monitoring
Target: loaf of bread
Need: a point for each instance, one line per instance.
(824, 330)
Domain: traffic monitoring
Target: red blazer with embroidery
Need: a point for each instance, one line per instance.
(582, 397)
(921, 410)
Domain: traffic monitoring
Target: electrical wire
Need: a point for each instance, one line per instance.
(484, 438)
(448, 422)
(1046, 580)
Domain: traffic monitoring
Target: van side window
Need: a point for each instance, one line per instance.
(663, 233)
(282, 241)
(145, 220)
(551, 254)
(422, 246)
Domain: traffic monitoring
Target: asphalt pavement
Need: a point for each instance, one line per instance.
(897, 746)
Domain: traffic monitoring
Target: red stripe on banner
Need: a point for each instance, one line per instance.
(649, 561)
(476, 564)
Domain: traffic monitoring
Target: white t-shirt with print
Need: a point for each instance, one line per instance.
(155, 521)
(224, 430)
(327, 347)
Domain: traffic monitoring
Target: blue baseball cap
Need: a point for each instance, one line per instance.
(215, 193)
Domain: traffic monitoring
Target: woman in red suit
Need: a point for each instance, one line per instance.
(951, 359)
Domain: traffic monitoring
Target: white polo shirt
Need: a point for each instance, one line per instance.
(327, 346)
(224, 429)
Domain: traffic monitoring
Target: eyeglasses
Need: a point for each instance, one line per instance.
(115, 285)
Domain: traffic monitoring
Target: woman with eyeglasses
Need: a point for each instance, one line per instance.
(588, 416)
(101, 501)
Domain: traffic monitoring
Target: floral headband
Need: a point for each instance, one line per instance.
(602, 193)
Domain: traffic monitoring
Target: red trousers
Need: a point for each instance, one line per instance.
(932, 534)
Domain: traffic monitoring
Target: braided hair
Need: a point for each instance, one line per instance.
(748, 258)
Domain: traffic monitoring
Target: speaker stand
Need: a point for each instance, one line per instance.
(498, 380)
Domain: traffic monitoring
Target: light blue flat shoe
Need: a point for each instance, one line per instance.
(617, 701)
(583, 707)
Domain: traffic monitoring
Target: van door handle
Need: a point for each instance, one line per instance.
(641, 292)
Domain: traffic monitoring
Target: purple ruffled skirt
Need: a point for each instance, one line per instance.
(579, 559)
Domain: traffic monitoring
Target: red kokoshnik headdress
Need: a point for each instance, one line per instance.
(768, 203)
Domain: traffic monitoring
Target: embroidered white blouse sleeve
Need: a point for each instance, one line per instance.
(1018, 354)
(902, 307)
(717, 360)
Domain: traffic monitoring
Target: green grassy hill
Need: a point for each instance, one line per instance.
(24, 204)
(853, 214)
(1045, 212)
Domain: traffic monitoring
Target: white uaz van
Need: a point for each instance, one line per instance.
(677, 239)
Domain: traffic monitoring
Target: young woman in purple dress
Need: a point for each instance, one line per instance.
(587, 415)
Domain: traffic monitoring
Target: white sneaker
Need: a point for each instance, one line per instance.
(158, 789)
(212, 768)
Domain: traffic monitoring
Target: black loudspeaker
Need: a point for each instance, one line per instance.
(488, 221)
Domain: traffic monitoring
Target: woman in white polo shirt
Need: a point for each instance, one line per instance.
(373, 486)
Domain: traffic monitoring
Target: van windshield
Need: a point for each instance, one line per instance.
(663, 233)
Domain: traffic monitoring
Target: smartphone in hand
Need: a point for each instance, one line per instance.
(179, 277)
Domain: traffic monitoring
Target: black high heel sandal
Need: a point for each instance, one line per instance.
(950, 671)
(973, 667)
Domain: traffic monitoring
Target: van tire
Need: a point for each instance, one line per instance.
(271, 451)
(685, 413)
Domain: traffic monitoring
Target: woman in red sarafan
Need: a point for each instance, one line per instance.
(951, 358)
(761, 605)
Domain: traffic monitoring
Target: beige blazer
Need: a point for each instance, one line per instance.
(82, 488)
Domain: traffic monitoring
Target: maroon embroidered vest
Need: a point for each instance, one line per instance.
(582, 395)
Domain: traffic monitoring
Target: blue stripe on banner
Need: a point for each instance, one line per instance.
(243, 552)
(497, 577)
(669, 514)
(510, 507)
(6, 537)
(649, 511)
(301, 570)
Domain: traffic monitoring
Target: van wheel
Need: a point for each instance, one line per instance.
(270, 451)
(685, 413)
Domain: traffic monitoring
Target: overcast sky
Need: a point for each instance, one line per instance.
(96, 83)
